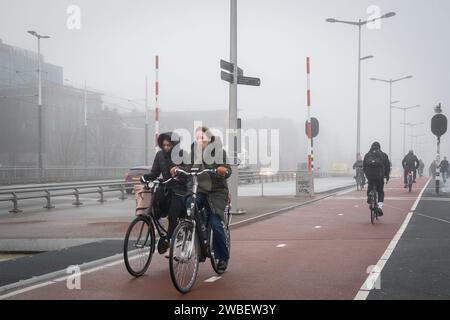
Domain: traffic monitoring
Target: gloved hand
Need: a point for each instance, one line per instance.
(222, 171)
(387, 180)
(143, 180)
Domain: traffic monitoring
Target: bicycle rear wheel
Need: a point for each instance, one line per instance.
(184, 257)
(139, 246)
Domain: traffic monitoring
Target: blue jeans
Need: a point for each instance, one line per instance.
(219, 237)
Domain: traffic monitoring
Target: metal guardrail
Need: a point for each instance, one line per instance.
(17, 175)
(49, 191)
(76, 190)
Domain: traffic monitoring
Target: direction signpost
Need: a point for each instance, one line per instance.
(230, 77)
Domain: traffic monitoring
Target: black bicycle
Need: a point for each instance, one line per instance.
(409, 180)
(373, 204)
(140, 239)
(360, 179)
(192, 240)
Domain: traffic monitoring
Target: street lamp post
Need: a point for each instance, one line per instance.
(391, 81)
(359, 24)
(404, 109)
(412, 126)
(40, 126)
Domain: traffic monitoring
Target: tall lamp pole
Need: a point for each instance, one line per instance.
(404, 109)
(359, 24)
(40, 126)
(390, 82)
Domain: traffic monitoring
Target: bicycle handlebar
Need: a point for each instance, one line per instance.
(196, 173)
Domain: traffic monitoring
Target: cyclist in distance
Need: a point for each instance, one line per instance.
(358, 167)
(410, 163)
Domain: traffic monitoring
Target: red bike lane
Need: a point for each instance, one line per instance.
(318, 251)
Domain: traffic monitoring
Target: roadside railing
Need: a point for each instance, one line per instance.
(16, 175)
(48, 192)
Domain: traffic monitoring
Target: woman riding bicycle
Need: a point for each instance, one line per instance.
(207, 153)
(170, 199)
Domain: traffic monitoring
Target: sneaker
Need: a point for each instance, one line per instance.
(406, 186)
(380, 212)
(222, 266)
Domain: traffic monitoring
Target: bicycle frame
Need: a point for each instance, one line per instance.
(192, 213)
(162, 232)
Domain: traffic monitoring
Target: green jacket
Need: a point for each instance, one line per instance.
(212, 184)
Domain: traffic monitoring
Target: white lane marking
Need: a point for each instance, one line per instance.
(340, 214)
(317, 227)
(433, 218)
(365, 289)
(282, 245)
(356, 206)
(40, 285)
(64, 278)
(212, 279)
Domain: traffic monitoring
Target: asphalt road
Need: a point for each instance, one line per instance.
(419, 267)
(319, 251)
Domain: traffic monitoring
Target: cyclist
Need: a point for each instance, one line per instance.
(410, 163)
(421, 168)
(170, 199)
(444, 166)
(212, 194)
(358, 166)
(377, 167)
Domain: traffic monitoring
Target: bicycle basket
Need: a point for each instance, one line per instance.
(143, 199)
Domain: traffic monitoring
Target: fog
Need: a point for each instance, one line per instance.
(114, 51)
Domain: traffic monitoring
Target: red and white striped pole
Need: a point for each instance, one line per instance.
(309, 125)
(156, 101)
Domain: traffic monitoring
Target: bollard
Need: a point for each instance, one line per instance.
(49, 204)
(262, 188)
(14, 200)
(122, 191)
(100, 190)
(77, 198)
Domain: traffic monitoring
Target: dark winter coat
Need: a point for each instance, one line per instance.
(410, 162)
(212, 184)
(163, 163)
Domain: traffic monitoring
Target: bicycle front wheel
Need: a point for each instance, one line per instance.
(184, 257)
(139, 246)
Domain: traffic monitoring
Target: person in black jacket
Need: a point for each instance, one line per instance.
(377, 167)
(444, 166)
(170, 199)
(410, 163)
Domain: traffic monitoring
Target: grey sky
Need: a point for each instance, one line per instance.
(118, 40)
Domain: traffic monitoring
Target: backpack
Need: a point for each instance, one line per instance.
(374, 160)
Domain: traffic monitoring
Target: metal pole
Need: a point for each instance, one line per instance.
(358, 122)
(156, 103)
(404, 132)
(309, 126)
(40, 162)
(85, 126)
(390, 120)
(146, 122)
(232, 113)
